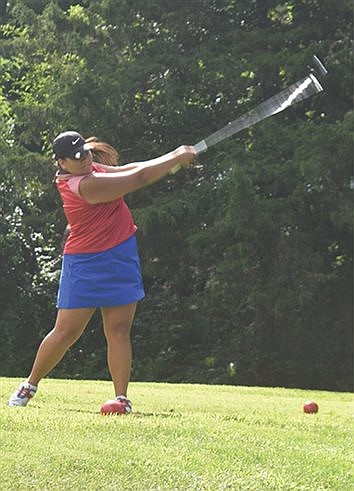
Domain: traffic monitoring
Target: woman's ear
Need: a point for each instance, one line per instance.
(61, 164)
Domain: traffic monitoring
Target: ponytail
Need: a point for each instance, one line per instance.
(103, 152)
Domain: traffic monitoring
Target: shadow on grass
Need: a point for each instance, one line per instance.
(169, 414)
(138, 414)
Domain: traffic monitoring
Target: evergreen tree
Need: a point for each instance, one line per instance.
(247, 256)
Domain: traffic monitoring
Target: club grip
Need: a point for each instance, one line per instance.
(201, 147)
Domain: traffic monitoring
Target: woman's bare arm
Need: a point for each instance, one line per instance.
(105, 187)
(117, 168)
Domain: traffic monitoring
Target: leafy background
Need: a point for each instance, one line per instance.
(247, 256)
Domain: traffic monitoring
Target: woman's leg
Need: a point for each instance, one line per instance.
(117, 322)
(69, 325)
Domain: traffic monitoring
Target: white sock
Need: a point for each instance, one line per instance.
(32, 387)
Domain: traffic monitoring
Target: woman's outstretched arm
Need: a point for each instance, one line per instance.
(105, 187)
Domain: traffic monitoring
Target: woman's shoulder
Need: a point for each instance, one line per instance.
(65, 177)
(72, 182)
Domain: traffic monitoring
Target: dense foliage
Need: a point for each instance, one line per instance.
(247, 256)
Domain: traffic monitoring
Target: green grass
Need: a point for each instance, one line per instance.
(180, 437)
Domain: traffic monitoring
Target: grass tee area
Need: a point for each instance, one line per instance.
(180, 437)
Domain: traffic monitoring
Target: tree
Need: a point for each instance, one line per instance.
(247, 257)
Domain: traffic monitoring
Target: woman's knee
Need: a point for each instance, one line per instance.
(117, 321)
(70, 324)
(118, 330)
(66, 335)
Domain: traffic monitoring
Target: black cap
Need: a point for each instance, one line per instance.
(70, 144)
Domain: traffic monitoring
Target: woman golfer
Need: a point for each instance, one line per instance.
(100, 266)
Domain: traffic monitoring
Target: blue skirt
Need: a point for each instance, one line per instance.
(101, 279)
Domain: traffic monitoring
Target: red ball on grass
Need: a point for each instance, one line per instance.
(112, 407)
(311, 407)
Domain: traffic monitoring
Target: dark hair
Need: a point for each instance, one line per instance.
(103, 152)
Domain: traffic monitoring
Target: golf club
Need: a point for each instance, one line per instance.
(293, 94)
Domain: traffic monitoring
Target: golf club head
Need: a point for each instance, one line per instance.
(319, 67)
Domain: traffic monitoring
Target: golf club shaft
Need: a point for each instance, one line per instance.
(288, 97)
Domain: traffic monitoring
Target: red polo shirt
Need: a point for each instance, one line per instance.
(93, 228)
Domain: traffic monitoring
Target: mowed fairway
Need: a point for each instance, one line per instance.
(180, 437)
